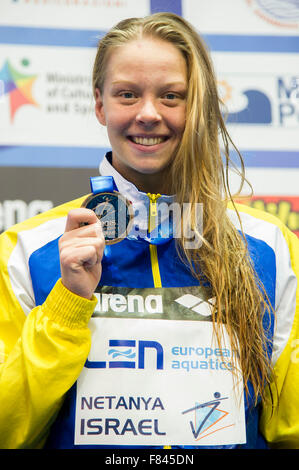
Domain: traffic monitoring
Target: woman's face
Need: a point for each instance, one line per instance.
(143, 105)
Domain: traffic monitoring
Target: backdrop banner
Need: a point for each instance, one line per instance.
(50, 140)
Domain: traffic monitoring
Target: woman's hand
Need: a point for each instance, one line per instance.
(81, 250)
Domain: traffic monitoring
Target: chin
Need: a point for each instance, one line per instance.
(150, 171)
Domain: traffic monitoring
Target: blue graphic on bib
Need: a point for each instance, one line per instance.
(142, 347)
(115, 353)
(207, 416)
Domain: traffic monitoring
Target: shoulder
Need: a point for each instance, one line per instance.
(263, 226)
(278, 244)
(56, 213)
(52, 214)
(18, 245)
(272, 246)
(37, 230)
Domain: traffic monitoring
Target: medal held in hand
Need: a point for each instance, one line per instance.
(112, 209)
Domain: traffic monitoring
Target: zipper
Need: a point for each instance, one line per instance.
(153, 248)
(155, 265)
(152, 211)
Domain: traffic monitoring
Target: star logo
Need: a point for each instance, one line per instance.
(18, 86)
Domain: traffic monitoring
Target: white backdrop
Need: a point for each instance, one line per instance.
(50, 141)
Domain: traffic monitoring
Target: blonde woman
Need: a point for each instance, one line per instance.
(151, 340)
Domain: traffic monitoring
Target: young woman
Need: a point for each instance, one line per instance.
(152, 341)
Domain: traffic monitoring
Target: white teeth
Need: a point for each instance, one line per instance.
(147, 141)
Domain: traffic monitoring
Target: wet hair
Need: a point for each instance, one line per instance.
(199, 173)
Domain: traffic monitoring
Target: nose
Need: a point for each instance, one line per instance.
(148, 113)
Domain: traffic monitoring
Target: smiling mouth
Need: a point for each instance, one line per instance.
(148, 141)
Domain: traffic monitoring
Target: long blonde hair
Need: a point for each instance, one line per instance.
(198, 175)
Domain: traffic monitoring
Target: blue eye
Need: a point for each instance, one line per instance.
(127, 94)
(170, 96)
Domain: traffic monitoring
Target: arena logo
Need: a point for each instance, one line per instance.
(118, 303)
(17, 86)
(281, 13)
(197, 304)
(279, 106)
(145, 302)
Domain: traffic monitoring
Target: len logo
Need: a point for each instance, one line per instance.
(142, 347)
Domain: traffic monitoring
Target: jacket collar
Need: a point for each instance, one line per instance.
(140, 201)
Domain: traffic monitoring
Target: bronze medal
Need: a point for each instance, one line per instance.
(115, 213)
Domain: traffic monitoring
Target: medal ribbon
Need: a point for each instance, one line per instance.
(102, 184)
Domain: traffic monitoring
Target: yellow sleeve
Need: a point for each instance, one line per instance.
(41, 354)
(44, 363)
(280, 426)
(280, 423)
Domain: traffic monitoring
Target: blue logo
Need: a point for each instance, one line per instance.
(115, 353)
(279, 106)
(257, 111)
(284, 10)
(278, 13)
(140, 346)
(208, 417)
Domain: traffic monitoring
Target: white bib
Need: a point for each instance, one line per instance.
(158, 382)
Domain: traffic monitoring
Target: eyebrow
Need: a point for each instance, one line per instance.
(175, 83)
(167, 85)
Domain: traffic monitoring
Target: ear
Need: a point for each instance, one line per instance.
(99, 108)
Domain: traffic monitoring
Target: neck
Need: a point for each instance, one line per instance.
(147, 183)
(151, 184)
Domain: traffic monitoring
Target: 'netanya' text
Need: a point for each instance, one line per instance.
(112, 402)
(145, 425)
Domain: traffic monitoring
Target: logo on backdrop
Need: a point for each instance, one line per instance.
(286, 208)
(261, 100)
(76, 3)
(17, 86)
(63, 94)
(281, 13)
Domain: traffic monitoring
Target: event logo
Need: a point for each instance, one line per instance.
(248, 102)
(141, 347)
(17, 86)
(208, 417)
(282, 13)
